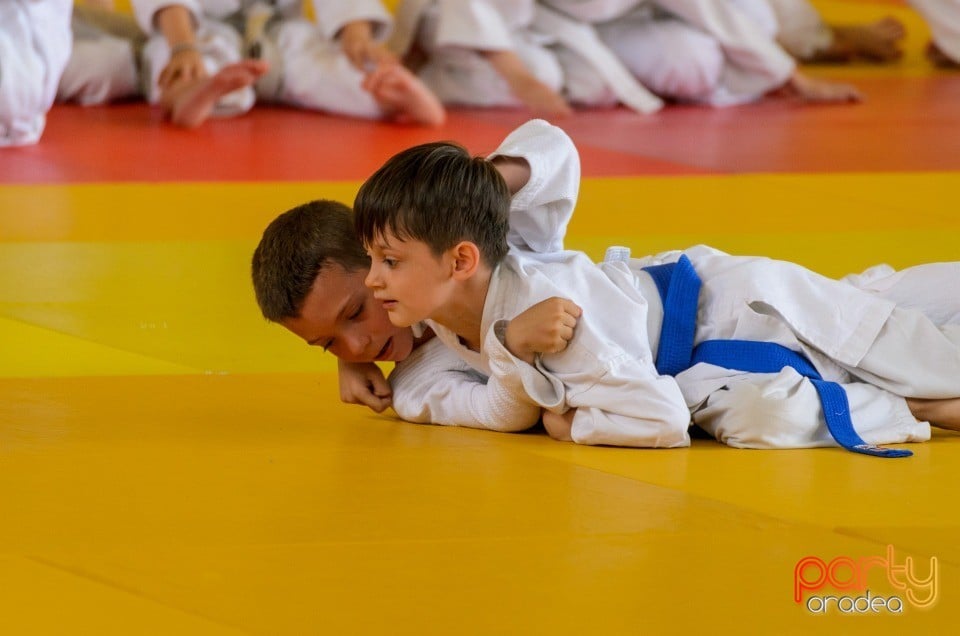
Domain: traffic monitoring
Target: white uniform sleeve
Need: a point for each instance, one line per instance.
(620, 401)
(472, 24)
(541, 210)
(763, 63)
(434, 386)
(145, 11)
(333, 15)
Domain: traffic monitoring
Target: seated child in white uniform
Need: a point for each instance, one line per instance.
(104, 63)
(197, 60)
(480, 53)
(34, 48)
(449, 263)
(712, 52)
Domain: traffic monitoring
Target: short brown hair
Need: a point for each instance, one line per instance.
(438, 194)
(295, 247)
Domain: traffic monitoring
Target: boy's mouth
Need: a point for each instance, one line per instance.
(384, 354)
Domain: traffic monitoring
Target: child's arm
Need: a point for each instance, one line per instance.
(176, 23)
(542, 168)
(434, 386)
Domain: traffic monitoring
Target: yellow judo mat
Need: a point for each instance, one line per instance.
(170, 463)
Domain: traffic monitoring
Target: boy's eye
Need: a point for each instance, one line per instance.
(356, 313)
(390, 262)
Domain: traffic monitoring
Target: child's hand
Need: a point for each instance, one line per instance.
(559, 426)
(357, 43)
(546, 327)
(817, 90)
(363, 383)
(186, 64)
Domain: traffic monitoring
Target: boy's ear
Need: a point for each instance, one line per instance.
(465, 259)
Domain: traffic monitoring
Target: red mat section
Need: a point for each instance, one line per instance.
(906, 124)
(130, 142)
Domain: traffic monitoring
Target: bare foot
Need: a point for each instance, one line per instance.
(192, 104)
(542, 100)
(939, 58)
(943, 413)
(404, 97)
(816, 90)
(877, 41)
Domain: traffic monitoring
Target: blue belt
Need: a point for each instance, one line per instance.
(679, 288)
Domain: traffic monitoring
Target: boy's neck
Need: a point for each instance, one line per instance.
(463, 315)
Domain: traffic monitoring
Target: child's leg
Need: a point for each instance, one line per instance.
(875, 41)
(941, 413)
(35, 44)
(932, 288)
(314, 73)
(783, 410)
(913, 357)
(102, 67)
(192, 103)
(220, 46)
(666, 55)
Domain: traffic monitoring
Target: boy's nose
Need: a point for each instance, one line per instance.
(373, 277)
(356, 345)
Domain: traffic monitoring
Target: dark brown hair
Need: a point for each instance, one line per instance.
(295, 247)
(438, 194)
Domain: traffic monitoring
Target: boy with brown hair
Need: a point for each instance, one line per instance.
(433, 219)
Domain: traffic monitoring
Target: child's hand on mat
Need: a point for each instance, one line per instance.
(546, 327)
(559, 426)
(363, 383)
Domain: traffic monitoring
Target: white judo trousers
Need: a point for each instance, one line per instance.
(915, 352)
(452, 34)
(307, 67)
(943, 18)
(104, 62)
(704, 51)
(35, 44)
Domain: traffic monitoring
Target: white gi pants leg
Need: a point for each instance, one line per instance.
(668, 56)
(219, 45)
(35, 44)
(782, 410)
(802, 31)
(309, 71)
(102, 67)
(943, 17)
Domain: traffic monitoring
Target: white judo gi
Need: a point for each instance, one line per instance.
(104, 62)
(943, 18)
(307, 66)
(608, 369)
(452, 33)
(34, 48)
(703, 51)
